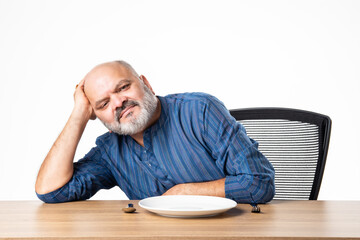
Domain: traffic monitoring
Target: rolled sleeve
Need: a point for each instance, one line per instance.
(249, 174)
(90, 175)
(253, 183)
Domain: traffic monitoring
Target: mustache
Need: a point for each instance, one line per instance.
(129, 103)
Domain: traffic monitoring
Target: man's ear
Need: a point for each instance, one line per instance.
(146, 82)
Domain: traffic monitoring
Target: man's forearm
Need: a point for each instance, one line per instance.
(211, 188)
(57, 168)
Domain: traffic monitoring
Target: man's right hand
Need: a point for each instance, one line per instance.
(82, 105)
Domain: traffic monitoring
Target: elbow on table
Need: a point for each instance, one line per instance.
(260, 196)
(44, 198)
(42, 190)
(50, 195)
(266, 194)
(44, 195)
(56, 196)
(266, 188)
(259, 189)
(50, 191)
(265, 191)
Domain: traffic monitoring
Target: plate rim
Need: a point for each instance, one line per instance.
(234, 204)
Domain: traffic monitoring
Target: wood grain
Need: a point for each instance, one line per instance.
(105, 219)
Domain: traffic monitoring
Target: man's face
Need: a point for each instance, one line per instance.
(121, 100)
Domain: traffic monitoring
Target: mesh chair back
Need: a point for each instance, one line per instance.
(295, 142)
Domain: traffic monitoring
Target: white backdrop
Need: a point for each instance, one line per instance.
(297, 54)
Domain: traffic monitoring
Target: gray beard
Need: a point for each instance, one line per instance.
(135, 125)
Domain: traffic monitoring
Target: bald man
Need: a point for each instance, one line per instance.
(180, 144)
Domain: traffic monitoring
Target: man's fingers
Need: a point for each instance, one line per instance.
(80, 84)
(82, 100)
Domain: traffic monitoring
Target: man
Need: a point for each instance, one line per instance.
(179, 144)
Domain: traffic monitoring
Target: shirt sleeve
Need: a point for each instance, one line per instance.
(249, 174)
(90, 175)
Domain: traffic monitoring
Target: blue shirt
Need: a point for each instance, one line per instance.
(194, 140)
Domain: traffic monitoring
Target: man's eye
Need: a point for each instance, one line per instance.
(104, 105)
(124, 87)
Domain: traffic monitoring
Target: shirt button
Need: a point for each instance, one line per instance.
(149, 164)
(144, 151)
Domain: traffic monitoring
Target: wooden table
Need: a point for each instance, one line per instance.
(105, 219)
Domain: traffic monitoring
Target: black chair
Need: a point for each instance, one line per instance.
(296, 143)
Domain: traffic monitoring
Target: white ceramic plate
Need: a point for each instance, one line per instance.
(187, 205)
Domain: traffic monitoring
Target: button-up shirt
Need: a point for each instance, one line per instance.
(194, 140)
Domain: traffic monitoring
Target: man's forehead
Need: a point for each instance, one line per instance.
(104, 74)
(103, 79)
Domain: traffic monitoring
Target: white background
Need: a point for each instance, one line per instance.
(297, 54)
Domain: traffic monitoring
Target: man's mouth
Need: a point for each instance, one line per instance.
(126, 111)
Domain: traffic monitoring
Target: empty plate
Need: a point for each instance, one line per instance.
(187, 205)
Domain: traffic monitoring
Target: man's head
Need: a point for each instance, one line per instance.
(121, 99)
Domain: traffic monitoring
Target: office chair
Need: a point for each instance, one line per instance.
(296, 143)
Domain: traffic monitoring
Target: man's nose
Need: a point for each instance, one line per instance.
(118, 101)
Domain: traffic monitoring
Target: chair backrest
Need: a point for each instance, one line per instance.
(296, 143)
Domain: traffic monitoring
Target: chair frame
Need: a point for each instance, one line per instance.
(322, 121)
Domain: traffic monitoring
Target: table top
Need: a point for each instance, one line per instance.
(105, 219)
